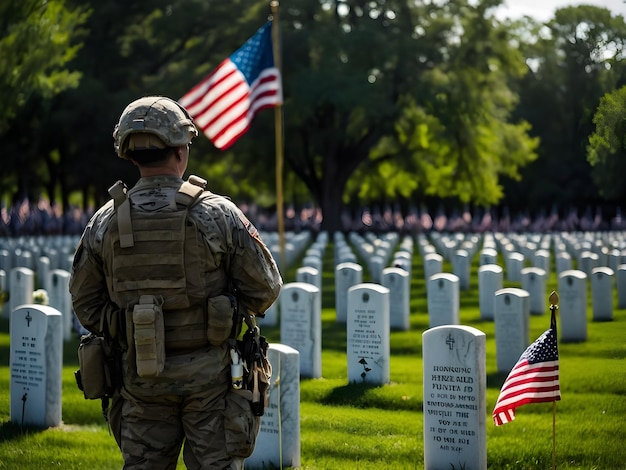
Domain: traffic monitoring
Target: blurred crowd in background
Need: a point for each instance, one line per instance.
(24, 218)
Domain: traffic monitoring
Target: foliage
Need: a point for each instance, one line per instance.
(36, 43)
(385, 101)
(606, 151)
(573, 61)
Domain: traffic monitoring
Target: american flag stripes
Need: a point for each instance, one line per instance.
(225, 102)
(534, 379)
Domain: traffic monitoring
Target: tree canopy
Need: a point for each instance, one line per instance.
(385, 101)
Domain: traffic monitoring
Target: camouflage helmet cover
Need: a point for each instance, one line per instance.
(157, 115)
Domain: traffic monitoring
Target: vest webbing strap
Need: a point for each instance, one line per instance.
(190, 190)
(122, 207)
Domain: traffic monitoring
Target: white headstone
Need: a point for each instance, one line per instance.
(301, 325)
(309, 275)
(512, 326)
(21, 285)
(573, 305)
(602, 293)
(278, 441)
(487, 256)
(621, 286)
(514, 265)
(454, 398)
(443, 300)
(61, 299)
(271, 315)
(563, 262)
(36, 362)
(398, 282)
(461, 263)
(368, 334)
(490, 280)
(542, 261)
(534, 282)
(346, 276)
(433, 264)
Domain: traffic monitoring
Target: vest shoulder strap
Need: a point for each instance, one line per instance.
(190, 190)
(119, 193)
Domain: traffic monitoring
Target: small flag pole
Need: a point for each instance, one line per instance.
(278, 127)
(554, 306)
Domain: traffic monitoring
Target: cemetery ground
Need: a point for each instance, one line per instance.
(361, 426)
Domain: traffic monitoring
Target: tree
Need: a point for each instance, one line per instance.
(404, 99)
(36, 44)
(606, 151)
(572, 64)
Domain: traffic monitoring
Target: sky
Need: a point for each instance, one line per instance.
(543, 10)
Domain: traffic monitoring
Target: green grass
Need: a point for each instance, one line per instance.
(360, 426)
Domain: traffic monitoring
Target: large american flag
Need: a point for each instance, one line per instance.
(534, 379)
(224, 103)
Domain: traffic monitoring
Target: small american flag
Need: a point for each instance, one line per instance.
(224, 103)
(534, 379)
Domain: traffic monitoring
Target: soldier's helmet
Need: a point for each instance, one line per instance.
(153, 122)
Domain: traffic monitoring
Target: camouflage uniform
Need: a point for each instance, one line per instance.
(188, 402)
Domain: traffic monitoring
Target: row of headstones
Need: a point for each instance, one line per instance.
(452, 421)
(519, 251)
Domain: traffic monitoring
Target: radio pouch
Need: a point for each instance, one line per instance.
(149, 335)
(257, 370)
(96, 376)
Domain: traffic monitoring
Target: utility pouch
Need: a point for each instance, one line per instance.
(251, 351)
(95, 377)
(221, 311)
(149, 335)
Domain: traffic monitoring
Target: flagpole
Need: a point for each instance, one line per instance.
(554, 305)
(278, 127)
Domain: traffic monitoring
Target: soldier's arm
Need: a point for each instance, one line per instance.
(253, 269)
(90, 298)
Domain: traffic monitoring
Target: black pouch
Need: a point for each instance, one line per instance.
(257, 370)
(96, 376)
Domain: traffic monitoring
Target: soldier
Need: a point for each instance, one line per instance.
(162, 269)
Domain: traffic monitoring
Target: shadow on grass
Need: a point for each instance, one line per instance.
(353, 394)
(13, 431)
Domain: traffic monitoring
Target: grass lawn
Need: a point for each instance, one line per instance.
(359, 426)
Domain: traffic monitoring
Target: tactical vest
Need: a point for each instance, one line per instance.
(160, 254)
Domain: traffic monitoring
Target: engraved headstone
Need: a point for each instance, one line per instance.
(278, 441)
(346, 276)
(573, 305)
(514, 265)
(368, 334)
(398, 282)
(454, 398)
(21, 287)
(602, 293)
(433, 264)
(563, 262)
(309, 275)
(490, 280)
(36, 363)
(443, 300)
(61, 299)
(301, 325)
(461, 263)
(487, 256)
(534, 282)
(512, 326)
